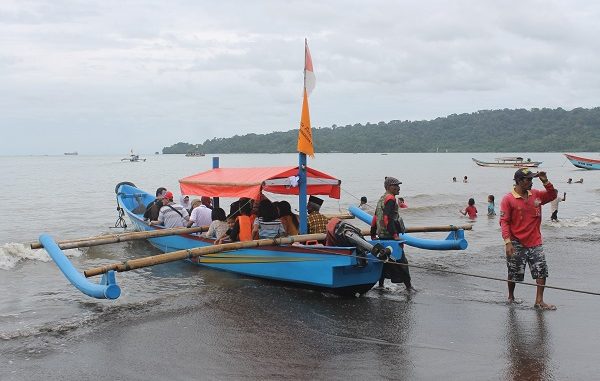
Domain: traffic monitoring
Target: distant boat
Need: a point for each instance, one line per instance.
(583, 162)
(194, 154)
(156, 153)
(74, 153)
(508, 162)
(133, 157)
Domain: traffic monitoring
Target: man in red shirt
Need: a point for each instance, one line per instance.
(520, 220)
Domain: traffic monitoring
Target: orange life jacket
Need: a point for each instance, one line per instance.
(245, 227)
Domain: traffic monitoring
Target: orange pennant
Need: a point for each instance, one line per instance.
(305, 141)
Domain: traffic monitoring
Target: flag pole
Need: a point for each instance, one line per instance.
(303, 223)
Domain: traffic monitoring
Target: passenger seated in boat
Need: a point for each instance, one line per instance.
(242, 230)
(218, 226)
(288, 219)
(195, 203)
(227, 236)
(171, 215)
(267, 225)
(317, 223)
(201, 215)
(153, 208)
(185, 202)
(206, 201)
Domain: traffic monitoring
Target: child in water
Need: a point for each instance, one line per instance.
(471, 210)
(491, 206)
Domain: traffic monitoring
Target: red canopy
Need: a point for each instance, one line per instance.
(250, 182)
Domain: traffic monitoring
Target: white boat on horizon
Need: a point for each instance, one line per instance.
(509, 162)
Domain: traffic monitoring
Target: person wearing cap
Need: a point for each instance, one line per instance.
(171, 215)
(317, 223)
(520, 220)
(153, 208)
(388, 225)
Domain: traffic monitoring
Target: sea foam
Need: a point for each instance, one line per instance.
(12, 253)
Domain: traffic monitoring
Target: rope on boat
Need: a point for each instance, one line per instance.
(120, 223)
(474, 275)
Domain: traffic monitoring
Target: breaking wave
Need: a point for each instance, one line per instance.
(576, 222)
(12, 253)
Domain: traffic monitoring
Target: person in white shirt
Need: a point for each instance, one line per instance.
(171, 215)
(201, 216)
(554, 206)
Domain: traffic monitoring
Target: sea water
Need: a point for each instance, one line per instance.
(177, 321)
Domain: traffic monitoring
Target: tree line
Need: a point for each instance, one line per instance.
(520, 130)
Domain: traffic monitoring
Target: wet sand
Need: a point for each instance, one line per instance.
(259, 330)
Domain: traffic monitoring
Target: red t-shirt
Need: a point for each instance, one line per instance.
(471, 211)
(521, 218)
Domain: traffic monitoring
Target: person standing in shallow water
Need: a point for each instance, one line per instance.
(520, 220)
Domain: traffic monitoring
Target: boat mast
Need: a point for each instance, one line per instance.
(303, 228)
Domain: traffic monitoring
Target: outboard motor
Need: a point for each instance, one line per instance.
(340, 233)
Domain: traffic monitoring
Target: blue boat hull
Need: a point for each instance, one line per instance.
(334, 269)
(582, 162)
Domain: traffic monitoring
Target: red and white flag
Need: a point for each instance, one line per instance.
(309, 74)
(305, 142)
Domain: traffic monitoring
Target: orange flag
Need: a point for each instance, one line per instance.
(305, 142)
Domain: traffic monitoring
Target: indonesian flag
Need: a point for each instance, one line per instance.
(305, 142)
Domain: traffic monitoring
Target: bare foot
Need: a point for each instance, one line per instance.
(514, 301)
(545, 306)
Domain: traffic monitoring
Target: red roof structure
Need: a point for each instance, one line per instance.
(250, 182)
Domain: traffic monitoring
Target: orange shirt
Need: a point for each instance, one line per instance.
(245, 227)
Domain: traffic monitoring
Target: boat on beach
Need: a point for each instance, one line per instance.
(349, 265)
(508, 162)
(583, 162)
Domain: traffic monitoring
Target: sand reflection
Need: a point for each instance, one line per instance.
(528, 346)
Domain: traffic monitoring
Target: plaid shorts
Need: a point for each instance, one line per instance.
(532, 255)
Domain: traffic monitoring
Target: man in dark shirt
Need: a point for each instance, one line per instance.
(153, 208)
(388, 225)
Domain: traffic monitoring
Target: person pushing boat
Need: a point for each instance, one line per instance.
(387, 224)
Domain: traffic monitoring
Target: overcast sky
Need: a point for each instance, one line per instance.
(106, 76)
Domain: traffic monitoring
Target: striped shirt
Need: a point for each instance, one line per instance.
(269, 229)
(169, 218)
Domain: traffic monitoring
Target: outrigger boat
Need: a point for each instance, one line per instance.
(133, 157)
(347, 269)
(583, 162)
(509, 162)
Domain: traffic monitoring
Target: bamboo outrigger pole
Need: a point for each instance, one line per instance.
(191, 253)
(116, 238)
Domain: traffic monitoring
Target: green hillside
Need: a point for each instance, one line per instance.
(535, 130)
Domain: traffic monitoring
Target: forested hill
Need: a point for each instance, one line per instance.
(535, 130)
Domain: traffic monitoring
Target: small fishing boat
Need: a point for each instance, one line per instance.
(583, 162)
(351, 265)
(194, 154)
(509, 162)
(74, 153)
(133, 157)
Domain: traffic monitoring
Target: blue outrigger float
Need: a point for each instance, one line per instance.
(346, 269)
